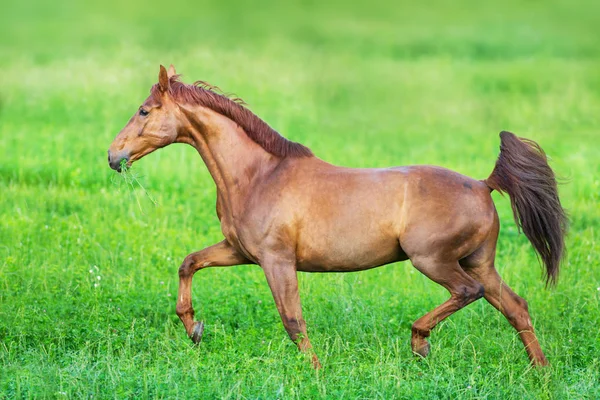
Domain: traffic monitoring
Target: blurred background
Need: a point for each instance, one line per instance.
(88, 265)
(329, 75)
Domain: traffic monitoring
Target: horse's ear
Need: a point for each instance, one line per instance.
(163, 79)
(171, 72)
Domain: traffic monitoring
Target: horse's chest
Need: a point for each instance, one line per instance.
(229, 231)
(244, 225)
(236, 238)
(228, 227)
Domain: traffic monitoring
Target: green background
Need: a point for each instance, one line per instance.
(363, 85)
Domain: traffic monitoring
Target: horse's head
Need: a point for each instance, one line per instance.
(153, 126)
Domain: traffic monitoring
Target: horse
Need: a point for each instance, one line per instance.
(286, 210)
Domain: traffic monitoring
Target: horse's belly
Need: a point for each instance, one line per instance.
(332, 251)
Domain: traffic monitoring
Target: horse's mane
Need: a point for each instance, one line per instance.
(204, 94)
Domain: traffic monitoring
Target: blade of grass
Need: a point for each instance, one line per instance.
(131, 179)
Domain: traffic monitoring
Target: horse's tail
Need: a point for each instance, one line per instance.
(523, 172)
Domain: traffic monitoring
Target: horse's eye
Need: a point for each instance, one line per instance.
(143, 112)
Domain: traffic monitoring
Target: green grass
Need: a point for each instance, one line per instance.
(130, 181)
(88, 276)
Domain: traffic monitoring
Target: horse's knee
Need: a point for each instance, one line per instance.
(191, 264)
(185, 269)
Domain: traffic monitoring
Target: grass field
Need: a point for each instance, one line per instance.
(88, 266)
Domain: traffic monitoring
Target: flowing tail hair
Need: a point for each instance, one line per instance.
(523, 172)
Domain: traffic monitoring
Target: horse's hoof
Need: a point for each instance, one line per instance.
(422, 350)
(197, 332)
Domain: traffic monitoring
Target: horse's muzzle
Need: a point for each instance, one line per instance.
(115, 161)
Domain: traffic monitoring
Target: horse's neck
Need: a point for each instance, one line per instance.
(235, 162)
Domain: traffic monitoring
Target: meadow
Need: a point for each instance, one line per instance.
(88, 263)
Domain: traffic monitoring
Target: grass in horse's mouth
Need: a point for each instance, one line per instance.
(132, 181)
(124, 166)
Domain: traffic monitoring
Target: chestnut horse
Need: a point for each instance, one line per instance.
(286, 210)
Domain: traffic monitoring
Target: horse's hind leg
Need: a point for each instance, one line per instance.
(463, 291)
(511, 305)
(220, 254)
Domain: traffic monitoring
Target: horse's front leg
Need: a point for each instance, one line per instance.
(221, 254)
(283, 281)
